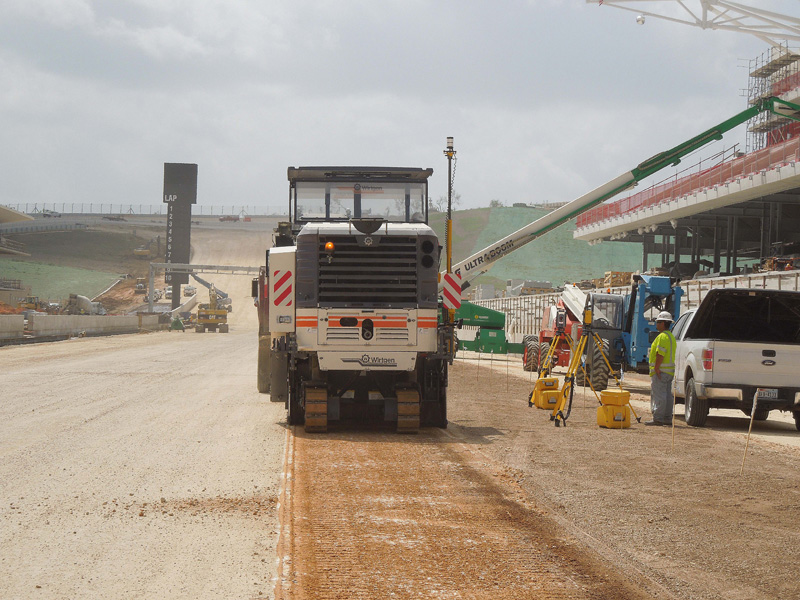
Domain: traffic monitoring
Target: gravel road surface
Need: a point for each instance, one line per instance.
(142, 466)
(147, 466)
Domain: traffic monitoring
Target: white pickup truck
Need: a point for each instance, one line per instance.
(737, 343)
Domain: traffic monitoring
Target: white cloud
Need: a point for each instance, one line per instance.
(61, 13)
(165, 42)
(546, 100)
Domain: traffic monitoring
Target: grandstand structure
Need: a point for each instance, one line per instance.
(738, 206)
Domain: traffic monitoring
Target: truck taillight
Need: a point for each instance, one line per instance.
(708, 359)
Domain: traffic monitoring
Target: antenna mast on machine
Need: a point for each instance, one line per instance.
(769, 26)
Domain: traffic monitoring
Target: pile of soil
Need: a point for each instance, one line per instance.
(122, 297)
(6, 309)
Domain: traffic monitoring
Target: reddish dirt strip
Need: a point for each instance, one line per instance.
(382, 515)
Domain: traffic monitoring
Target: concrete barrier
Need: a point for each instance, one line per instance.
(47, 325)
(186, 306)
(149, 322)
(11, 326)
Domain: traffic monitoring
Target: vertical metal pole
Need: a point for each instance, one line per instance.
(449, 153)
(150, 286)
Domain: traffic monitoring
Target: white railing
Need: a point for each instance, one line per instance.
(524, 313)
(695, 290)
(96, 208)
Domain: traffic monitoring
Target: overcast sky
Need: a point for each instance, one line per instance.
(546, 99)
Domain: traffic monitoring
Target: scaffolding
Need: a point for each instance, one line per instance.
(775, 72)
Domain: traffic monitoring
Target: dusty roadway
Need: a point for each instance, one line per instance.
(504, 505)
(142, 466)
(147, 466)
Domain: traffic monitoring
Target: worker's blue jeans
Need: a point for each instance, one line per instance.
(661, 398)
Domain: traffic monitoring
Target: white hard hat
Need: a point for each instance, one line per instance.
(664, 316)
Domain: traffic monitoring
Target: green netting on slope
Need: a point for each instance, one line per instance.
(56, 283)
(554, 257)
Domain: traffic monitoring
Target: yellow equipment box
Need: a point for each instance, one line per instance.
(546, 383)
(614, 417)
(547, 399)
(546, 392)
(615, 397)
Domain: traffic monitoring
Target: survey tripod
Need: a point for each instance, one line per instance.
(563, 407)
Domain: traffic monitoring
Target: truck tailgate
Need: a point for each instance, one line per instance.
(756, 364)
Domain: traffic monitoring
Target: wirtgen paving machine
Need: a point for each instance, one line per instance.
(348, 302)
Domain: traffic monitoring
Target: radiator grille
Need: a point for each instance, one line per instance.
(391, 334)
(382, 273)
(338, 335)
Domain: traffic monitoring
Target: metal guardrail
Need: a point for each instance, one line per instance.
(189, 268)
(696, 179)
(11, 245)
(35, 227)
(98, 209)
(696, 289)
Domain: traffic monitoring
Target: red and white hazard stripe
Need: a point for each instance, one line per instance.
(282, 288)
(451, 292)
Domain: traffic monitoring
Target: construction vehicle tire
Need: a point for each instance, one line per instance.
(580, 378)
(761, 414)
(796, 415)
(432, 377)
(599, 373)
(223, 328)
(695, 408)
(295, 414)
(264, 356)
(531, 356)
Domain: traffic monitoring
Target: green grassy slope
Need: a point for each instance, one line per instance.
(554, 257)
(80, 262)
(56, 283)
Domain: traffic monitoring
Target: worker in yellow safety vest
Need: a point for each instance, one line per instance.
(662, 371)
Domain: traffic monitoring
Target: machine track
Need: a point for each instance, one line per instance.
(316, 406)
(407, 411)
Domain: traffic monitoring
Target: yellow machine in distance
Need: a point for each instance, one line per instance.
(211, 316)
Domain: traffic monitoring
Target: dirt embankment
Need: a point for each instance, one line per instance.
(6, 309)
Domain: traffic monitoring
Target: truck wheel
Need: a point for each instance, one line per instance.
(761, 414)
(532, 356)
(526, 352)
(696, 409)
(599, 369)
(580, 378)
(296, 416)
(796, 420)
(432, 379)
(264, 356)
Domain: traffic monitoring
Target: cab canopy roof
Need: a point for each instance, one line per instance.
(318, 174)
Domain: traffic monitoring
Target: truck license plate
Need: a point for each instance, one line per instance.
(767, 394)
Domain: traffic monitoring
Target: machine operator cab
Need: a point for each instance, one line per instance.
(362, 238)
(342, 194)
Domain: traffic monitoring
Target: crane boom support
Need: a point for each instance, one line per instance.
(480, 262)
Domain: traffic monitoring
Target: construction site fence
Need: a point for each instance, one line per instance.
(34, 227)
(524, 313)
(91, 208)
(683, 184)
